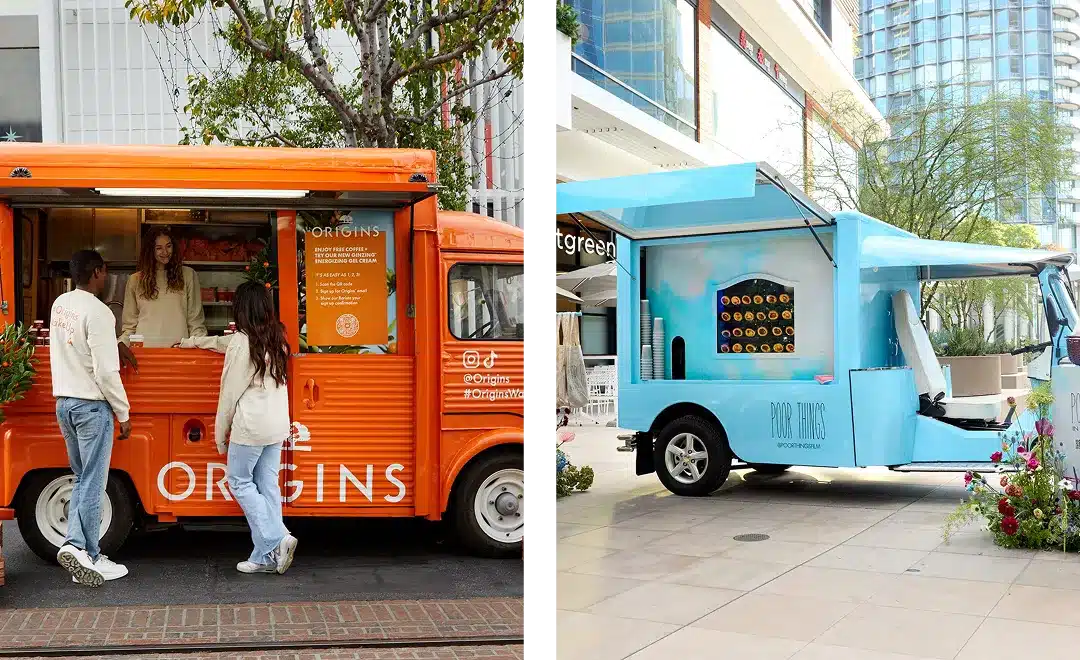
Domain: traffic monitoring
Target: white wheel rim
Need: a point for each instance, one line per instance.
(51, 510)
(686, 458)
(499, 506)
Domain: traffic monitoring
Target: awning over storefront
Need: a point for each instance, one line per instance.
(944, 260)
(712, 200)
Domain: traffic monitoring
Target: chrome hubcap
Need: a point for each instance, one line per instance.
(499, 506)
(686, 458)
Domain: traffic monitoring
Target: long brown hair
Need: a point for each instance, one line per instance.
(147, 265)
(254, 309)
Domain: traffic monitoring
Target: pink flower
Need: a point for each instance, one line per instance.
(1012, 490)
(1044, 427)
(567, 436)
(1033, 463)
(996, 457)
(967, 478)
(1004, 481)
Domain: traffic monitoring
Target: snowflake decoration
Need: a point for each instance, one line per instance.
(11, 135)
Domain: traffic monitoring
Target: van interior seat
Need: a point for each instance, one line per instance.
(929, 378)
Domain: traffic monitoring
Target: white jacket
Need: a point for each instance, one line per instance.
(248, 413)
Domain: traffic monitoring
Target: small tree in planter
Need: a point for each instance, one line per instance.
(566, 21)
(975, 371)
(16, 364)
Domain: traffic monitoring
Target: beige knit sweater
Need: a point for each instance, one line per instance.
(169, 317)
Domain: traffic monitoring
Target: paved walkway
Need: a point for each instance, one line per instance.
(458, 653)
(99, 626)
(854, 568)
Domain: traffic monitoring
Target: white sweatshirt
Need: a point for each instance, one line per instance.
(169, 317)
(83, 357)
(248, 413)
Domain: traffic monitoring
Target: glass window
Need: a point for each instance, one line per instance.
(879, 85)
(876, 19)
(952, 49)
(1010, 67)
(20, 114)
(950, 6)
(882, 106)
(980, 48)
(899, 82)
(926, 76)
(880, 38)
(979, 93)
(486, 301)
(899, 36)
(951, 26)
(899, 14)
(952, 72)
(1008, 43)
(755, 316)
(880, 65)
(925, 8)
(1007, 19)
(1010, 87)
(926, 53)
(980, 71)
(823, 15)
(1036, 18)
(1037, 65)
(979, 24)
(978, 5)
(860, 68)
(900, 59)
(348, 285)
(1036, 42)
(1006, 3)
(899, 102)
(925, 30)
(658, 52)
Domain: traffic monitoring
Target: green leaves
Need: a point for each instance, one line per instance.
(16, 364)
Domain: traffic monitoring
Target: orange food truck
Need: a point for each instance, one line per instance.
(405, 325)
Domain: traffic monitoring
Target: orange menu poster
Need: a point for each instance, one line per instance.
(346, 287)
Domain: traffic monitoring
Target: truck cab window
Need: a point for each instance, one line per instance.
(486, 301)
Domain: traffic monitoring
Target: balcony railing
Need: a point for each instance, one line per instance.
(1066, 52)
(1065, 99)
(1065, 30)
(1066, 76)
(1066, 8)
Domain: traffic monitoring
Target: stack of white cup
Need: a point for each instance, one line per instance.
(658, 346)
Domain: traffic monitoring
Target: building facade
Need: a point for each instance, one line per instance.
(652, 85)
(81, 71)
(969, 48)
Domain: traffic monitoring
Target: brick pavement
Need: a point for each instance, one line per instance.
(281, 622)
(458, 653)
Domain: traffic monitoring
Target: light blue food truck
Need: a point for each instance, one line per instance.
(757, 329)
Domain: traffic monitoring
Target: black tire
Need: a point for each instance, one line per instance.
(117, 492)
(718, 464)
(769, 468)
(467, 527)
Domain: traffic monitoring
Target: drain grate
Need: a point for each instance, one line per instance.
(750, 538)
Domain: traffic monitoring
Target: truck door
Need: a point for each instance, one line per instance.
(483, 341)
(351, 379)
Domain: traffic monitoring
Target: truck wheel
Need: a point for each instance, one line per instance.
(692, 457)
(769, 468)
(489, 505)
(42, 508)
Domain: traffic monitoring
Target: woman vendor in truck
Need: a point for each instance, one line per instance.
(162, 302)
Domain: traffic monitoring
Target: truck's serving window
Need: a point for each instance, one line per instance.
(486, 301)
(755, 316)
(347, 283)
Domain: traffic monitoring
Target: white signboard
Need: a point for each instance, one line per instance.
(1065, 415)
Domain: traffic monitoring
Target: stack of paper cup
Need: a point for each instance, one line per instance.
(646, 362)
(658, 346)
(646, 324)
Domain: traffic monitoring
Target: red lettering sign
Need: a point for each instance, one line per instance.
(742, 38)
(761, 57)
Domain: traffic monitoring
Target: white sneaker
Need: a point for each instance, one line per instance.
(79, 564)
(252, 567)
(285, 551)
(109, 569)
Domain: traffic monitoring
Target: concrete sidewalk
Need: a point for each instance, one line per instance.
(853, 567)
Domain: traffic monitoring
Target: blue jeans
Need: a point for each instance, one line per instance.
(253, 480)
(88, 432)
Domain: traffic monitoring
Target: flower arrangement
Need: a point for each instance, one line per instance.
(16, 364)
(569, 478)
(1032, 504)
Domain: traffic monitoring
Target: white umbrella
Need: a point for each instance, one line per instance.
(559, 291)
(599, 276)
(600, 298)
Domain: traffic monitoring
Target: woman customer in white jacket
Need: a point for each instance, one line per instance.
(253, 422)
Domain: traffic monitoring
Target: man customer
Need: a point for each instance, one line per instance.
(86, 382)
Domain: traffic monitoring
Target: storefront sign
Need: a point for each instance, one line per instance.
(346, 286)
(573, 244)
